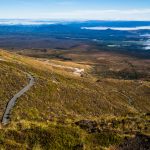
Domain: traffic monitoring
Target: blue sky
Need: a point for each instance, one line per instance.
(76, 9)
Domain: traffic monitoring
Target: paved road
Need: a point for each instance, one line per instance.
(11, 103)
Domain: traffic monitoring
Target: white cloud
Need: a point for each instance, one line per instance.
(130, 14)
(142, 14)
(118, 28)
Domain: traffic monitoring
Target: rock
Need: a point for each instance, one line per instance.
(139, 142)
(78, 147)
(90, 126)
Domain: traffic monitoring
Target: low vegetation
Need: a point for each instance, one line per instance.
(65, 111)
(11, 81)
(99, 134)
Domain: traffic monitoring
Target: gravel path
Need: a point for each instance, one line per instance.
(11, 103)
(76, 71)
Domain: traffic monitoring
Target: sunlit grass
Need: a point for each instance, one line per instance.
(45, 116)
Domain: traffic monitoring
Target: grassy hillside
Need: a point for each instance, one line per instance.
(105, 133)
(11, 80)
(105, 64)
(53, 108)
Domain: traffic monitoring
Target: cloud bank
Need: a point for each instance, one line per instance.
(129, 14)
(141, 14)
(118, 28)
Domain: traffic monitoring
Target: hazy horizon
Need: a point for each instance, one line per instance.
(55, 21)
(76, 10)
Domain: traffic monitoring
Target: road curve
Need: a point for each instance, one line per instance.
(11, 103)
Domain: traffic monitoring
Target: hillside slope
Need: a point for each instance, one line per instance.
(60, 99)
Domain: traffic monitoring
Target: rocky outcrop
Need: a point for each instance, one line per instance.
(139, 142)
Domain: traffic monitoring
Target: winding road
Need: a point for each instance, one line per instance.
(11, 103)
